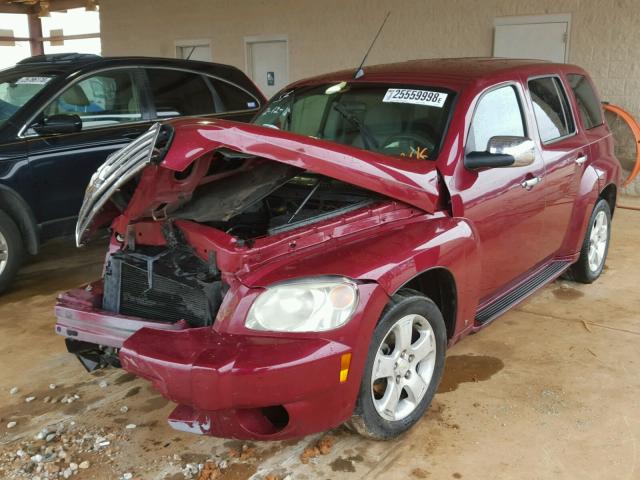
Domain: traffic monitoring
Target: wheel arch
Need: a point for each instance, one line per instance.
(439, 284)
(587, 197)
(20, 212)
(610, 194)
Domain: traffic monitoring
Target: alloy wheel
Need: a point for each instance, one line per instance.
(598, 239)
(4, 253)
(403, 367)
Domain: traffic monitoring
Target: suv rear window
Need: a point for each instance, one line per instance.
(551, 108)
(589, 107)
(177, 93)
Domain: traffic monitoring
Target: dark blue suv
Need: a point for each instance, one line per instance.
(61, 115)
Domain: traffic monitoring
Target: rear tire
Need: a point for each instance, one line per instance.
(11, 250)
(404, 367)
(595, 246)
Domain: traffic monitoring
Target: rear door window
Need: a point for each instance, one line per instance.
(498, 113)
(176, 93)
(106, 98)
(551, 108)
(589, 107)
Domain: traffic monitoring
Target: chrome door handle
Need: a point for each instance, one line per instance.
(532, 182)
(581, 159)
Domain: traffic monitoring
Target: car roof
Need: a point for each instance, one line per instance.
(75, 63)
(446, 71)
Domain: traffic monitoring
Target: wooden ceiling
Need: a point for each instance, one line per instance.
(42, 7)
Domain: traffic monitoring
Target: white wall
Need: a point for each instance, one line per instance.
(326, 35)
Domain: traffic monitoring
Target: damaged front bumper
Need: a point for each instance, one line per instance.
(232, 383)
(237, 386)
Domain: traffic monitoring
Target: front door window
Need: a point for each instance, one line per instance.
(103, 99)
(498, 113)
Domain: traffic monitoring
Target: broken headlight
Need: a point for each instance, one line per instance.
(309, 305)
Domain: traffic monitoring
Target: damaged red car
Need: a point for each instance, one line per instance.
(280, 278)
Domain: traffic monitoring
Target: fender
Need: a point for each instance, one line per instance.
(12, 203)
(393, 258)
(452, 245)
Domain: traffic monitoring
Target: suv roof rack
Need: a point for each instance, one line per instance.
(59, 58)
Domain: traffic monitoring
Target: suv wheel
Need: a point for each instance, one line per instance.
(595, 245)
(404, 367)
(11, 250)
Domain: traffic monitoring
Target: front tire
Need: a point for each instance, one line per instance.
(11, 250)
(404, 367)
(595, 246)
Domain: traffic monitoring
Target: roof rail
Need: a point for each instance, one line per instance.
(59, 58)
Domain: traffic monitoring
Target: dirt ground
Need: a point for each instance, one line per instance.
(549, 390)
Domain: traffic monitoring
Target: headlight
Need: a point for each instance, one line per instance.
(312, 305)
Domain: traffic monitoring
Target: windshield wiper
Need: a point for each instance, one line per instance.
(369, 140)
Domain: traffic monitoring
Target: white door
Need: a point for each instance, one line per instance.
(267, 64)
(541, 37)
(194, 51)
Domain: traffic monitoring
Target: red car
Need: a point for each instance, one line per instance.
(282, 277)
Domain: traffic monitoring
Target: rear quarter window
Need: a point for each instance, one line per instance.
(589, 107)
(233, 98)
(551, 108)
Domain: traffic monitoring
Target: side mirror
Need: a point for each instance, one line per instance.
(503, 151)
(58, 124)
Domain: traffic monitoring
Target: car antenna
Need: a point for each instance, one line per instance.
(193, 49)
(360, 71)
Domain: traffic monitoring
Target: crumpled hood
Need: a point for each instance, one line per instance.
(412, 181)
(408, 180)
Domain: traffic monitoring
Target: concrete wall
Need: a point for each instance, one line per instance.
(326, 35)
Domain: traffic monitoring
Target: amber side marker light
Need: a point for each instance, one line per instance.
(345, 361)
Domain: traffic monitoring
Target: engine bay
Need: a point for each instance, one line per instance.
(304, 199)
(254, 197)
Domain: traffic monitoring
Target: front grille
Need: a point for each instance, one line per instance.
(180, 287)
(118, 169)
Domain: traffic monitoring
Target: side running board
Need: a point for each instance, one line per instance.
(504, 303)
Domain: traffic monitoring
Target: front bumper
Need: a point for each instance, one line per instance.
(226, 385)
(227, 381)
(237, 386)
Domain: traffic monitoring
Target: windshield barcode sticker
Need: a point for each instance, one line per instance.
(32, 80)
(417, 97)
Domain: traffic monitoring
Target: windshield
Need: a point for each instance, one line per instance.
(408, 122)
(16, 90)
